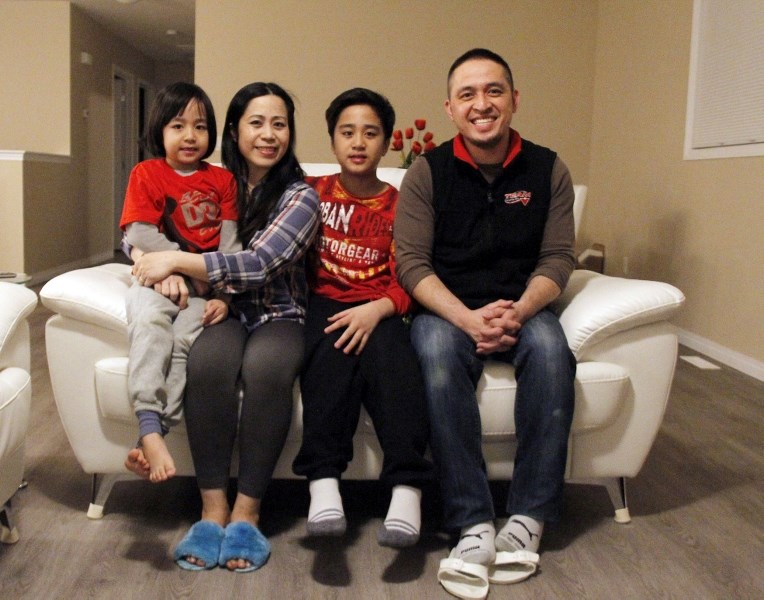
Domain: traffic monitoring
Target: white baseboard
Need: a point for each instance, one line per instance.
(731, 358)
(43, 276)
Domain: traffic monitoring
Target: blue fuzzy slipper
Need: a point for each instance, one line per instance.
(244, 540)
(202, 541)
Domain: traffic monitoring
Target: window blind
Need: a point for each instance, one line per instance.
(726, 93)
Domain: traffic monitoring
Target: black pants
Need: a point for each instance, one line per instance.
(268, 361)
(384, 378)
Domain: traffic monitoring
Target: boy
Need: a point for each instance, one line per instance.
(357, 347)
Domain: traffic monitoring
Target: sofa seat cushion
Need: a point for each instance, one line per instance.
(600, 391)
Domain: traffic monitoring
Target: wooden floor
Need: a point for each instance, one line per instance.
(697, 528)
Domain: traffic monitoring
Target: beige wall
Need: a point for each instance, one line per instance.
(170, 72)
(52, 103)
(697, 224)
(12, 211)
(34, 62)
(403, 49)
(604, 83)
(92, 135)
(53, 224)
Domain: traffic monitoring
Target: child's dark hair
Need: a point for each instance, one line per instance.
(254, 208)
(170, 103)
(355, 96)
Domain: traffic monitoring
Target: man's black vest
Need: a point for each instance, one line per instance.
(487, 238)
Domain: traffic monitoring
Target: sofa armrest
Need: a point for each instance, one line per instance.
(16, 304)
(95, 295)
(594, 307)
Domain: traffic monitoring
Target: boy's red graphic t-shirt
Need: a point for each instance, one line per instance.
(355, 245)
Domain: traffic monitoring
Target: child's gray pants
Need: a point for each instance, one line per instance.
(160, 338)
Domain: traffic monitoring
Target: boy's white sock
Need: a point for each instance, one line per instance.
(404, 518)
(476, 544)
(520, 533)
(326, 515)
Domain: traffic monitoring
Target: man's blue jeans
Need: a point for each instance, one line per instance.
(545, 370)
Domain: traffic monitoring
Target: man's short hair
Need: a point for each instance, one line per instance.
(477, 54)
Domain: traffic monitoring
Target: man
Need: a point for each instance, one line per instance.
(484, 235)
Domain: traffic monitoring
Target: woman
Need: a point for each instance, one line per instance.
(278, 219)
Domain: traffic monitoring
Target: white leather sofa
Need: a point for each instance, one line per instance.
(16, 304)
(618, 329)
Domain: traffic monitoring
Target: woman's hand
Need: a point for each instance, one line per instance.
(359, 322)
(153, 267)
(214, 312)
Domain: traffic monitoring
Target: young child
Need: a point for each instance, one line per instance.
(176, 201)
(357, 349)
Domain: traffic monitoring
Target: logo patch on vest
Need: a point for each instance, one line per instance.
(515, 197)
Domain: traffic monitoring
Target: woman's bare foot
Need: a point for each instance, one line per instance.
(214, 508)
(160, 462)
(137, 463)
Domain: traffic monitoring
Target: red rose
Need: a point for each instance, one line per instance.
(429, 146)
(427, 137)
(409, 133)
(416, 147)
(397, 135)
(397, 144)
(420, 124)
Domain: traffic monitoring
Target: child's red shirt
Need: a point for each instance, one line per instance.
(188, 209)
(355, 245)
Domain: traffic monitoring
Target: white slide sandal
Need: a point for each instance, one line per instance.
(513, 567)
(463, 579)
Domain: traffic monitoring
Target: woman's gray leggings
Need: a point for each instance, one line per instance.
(264, 364)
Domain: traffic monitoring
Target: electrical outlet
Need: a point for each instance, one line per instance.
(625, 265)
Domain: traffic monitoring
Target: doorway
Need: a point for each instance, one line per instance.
(125, 142)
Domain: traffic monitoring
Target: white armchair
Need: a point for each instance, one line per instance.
(617, 328)
(16, 304)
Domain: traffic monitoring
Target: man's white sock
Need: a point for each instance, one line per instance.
(476, 544)
(520, 533)
(326, 515)
(404, 518)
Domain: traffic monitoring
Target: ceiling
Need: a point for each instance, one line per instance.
(144, 24)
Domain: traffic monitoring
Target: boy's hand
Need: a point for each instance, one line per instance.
(359, 322)
(215, 310)
(174, 287)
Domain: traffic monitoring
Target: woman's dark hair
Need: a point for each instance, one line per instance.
(255, 207)
(378, 103)
(169, 103)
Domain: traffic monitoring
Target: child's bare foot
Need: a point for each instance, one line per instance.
(137, 463)
(161, 464)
